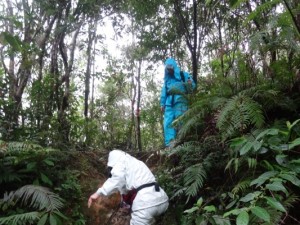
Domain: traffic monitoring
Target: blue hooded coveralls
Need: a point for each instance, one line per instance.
(172, 99)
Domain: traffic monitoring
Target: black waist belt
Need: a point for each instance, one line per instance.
(148, 185)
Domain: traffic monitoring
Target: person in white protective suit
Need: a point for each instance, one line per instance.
(128, 175)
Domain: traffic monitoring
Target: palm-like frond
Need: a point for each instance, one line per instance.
(38, 197)
(20, 218)
(194, 177)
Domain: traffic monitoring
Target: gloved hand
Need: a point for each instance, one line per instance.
(92, 198)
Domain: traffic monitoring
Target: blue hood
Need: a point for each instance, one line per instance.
(172, 62)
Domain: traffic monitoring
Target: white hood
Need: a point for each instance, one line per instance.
(115, 156)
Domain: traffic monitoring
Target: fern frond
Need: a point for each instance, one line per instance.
(238, 114)
(38, 197)
(252, 162)
(195, 116)
(20, 218)
(191, 123)
(194, 177)
(15, 146)
(178, 193)
(254, 112)
(241, 186)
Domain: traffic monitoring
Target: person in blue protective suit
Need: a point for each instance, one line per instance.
(137, 185)
(173, 102)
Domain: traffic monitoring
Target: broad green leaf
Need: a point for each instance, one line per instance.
(43, 220)
(219, 220)
(237, 142)
(290, 126)
(45, 179)
(271, 131)
(279, 147)
(263, 150)
(263, 178)
(275, 204)
(246, 148)
(58, 213)
(261, 213)
(49, 162)
(191, 210)
(257, 145)
(294, 143)
(291, 177)
(199, 202)
(281, 159)
(52, 220)
(231, 204)
(57, 218)
(210, 208)
(248, 197)
(276, 186)
(31, 165)
(232, 212)
(243, 218)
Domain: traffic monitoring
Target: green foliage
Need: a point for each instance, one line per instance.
(194, 177)
(272, 146)
(23, 163)
(238, 114)
(40, 198)
(265, 180)
(205, 214)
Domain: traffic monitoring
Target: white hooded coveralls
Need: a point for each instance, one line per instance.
(130, 173)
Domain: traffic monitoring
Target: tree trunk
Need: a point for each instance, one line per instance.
(138, 106)
(91, 37)
(17, 81)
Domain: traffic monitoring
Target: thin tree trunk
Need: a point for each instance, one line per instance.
(91, 36)
(138, 108)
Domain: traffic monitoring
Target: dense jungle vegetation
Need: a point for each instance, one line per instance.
(67, 99)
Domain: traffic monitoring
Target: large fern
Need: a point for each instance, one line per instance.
(194, 178)
(194, 118)
(238, 114)
(39, 198)
(22, 218)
